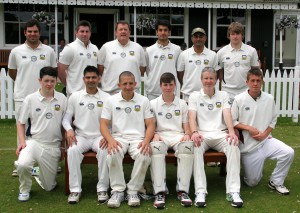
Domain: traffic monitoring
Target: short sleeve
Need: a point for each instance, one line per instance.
(66, 56)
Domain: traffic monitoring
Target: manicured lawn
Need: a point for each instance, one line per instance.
(257, 199)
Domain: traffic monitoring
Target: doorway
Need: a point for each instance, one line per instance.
(102, 21)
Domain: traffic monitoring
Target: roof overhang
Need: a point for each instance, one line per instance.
(238, 4)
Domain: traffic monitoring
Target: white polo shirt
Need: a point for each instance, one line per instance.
(160, 59)
(169, 118)
(236, 64)
(46, 117)
(259, 114)
(127, 117)
(28, 62)
(192, 64)
(209, 110)
(86, 110)
(117, 58)
(77, 56)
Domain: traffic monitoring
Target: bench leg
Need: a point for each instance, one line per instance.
(67, 189)
(223, 169)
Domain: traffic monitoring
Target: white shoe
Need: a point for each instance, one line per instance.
(159, 200)
(184, 199)
(281, 189)
(200, 199)
(74, 197)
(133, 200)
(23, 197)
(115, 199)
(235, 199)
(15, 173)
(102, 196)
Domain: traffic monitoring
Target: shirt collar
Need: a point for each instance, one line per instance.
(203, 52)
(120, 97)
(81, 43)
(164, 47)
(97, 94)
(204, 95)
(41, 98)
(175, 101)
(38, 47)
(243, 47)
(128, 43)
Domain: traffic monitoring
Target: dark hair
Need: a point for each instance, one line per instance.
(126, 73)
(83, 23)
(51, 71)
(123, 22)
(236, 27)
(167, 77)
(31, 23)
(255, 71)
(91, 69)
(163, 22)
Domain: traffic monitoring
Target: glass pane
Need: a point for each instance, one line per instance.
(10, 16)
(12, 33)
(60, 31)
(11, 7)
(177, 11)
(27, 7)
(222, 39)
(177, 31)
(223, 16)
(166, 17)
(163, 10)
(177, 19)
(25, 16)
(239, 16)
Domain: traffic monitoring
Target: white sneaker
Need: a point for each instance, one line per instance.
(23, 197)
(184, 199)
(102, 196)
(159, 200)
(281, 189)
(74, 197)
(200, 199)
(235, 199)
(115, 199)
(133, 200)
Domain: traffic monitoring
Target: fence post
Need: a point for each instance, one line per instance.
(296, 95)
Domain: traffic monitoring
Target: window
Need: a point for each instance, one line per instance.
(224, 18)
(16, 15)
(146, 36)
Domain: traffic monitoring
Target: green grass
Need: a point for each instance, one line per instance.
(258, 199)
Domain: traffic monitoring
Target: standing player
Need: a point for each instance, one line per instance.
(234, 60)
(85, 107)
(161, 57)
(45, 108)
(254, 113)
(75, 57)
(118, 55)
(25, 63)
(132, 129)
(172, 131)
(211, 125)
(192, 61)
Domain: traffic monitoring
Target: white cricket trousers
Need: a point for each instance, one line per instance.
(75, 157)
(18, 105)
(184, 151)
(253, 162)
(115, 166)
(47, 158)
(218, 142)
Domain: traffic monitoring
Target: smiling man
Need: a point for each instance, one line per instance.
(25, 63)
(118, 55)
(75, 57)
(192, 61)
(85, 107)
(161, 57)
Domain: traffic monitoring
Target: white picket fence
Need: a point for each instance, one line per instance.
(285, 90)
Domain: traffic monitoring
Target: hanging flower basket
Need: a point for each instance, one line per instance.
(146, 21)
(288, 22)
(44, 17)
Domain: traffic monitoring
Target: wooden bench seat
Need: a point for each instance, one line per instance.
(90, 158)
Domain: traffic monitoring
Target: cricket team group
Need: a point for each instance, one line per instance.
(105, 112)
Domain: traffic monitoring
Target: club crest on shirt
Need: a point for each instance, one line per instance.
(48, 115)
(57, 107)
(95, 54)
(162, 57)
(170, 56)
(210, 106)
(137, 108)
(33, 58)
(131, 53)
(168, 116)
(244, 57)
(99, 103)
(91, 106)
(42, 57)
(123, 55)
(128, 110)
(206, 62)
(88, 55)
(218, 104)
(236, 64)
(247, 108)
(177, 112)
(198, 62)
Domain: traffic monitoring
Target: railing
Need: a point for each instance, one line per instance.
(284, 88)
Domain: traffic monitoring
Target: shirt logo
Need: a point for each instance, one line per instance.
(227, 58)
(247, 108)
(156, 57)
(33, 58)
(49, 115)
(210, 106)
(99, 103)
(244, 57)
(42, 57)
(198, 62)
(206, 62)
(118, 108)
(177, 112)
(170, 56)
(168, 115)
(81, 104)
(37, 109)
(91, 106)
(114, 53)
(88, 55)
(128, 110)
(162, 57)
(24, 57)
(137, 108)
(236, 64)
(123, 55)
(190, 61)
(218, 104)
(131, 53)
(95, 54)
(202, 104)
(160, 113)
(57, 107)
(80, 53)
